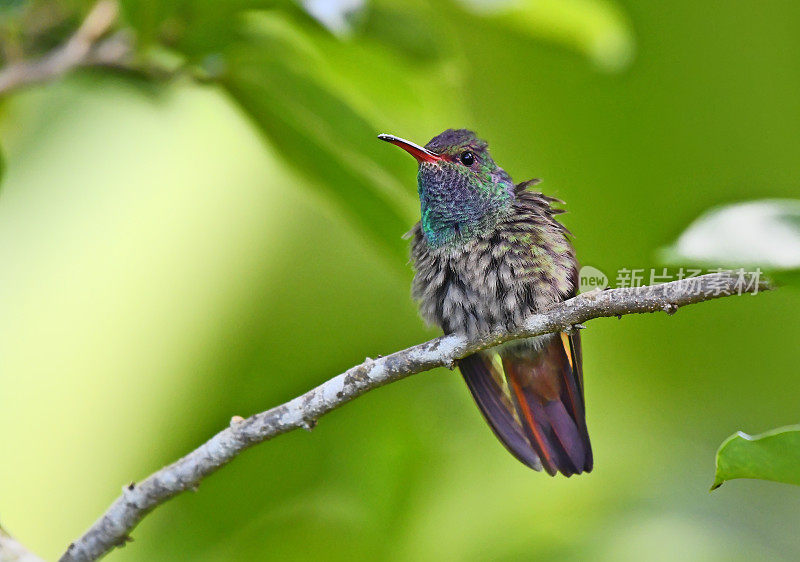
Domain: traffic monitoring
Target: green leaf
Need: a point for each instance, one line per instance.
(596, 28)
(774, 455)
(302, 88)
(415, 34)
(764, 234)
(194, 28)
(325, 139)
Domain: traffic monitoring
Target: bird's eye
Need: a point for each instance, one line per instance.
(467, 158)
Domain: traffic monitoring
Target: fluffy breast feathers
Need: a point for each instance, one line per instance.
(498, 278)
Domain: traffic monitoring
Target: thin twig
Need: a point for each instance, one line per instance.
(83, 48)
(137, 500)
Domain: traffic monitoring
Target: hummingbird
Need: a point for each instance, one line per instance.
(486, 254)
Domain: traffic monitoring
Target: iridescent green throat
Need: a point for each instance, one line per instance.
(458, 205)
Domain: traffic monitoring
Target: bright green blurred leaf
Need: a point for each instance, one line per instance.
(273, 64)
(324, 138)
(774, 455)
(596, 28)
(763, 234)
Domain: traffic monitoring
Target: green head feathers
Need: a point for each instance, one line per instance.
(462, 191)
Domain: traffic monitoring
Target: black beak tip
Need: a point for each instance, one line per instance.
(385, 137)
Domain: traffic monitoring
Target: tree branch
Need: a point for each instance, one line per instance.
(84, 48)
(137, 501)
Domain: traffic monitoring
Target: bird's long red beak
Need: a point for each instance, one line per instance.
(421, 153)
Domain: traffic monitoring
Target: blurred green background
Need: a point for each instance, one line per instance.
(180, 247)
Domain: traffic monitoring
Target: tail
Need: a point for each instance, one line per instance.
(533, 400)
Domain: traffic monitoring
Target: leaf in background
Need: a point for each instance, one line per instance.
(416, 34)
(596, 28)
(304, 90)
(774, 455)
(763, 234)
(408, 97)
(195, 28)
(323, 137)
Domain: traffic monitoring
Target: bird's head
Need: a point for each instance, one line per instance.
(462, 191)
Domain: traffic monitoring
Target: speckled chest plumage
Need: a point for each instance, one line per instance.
(497, 278)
